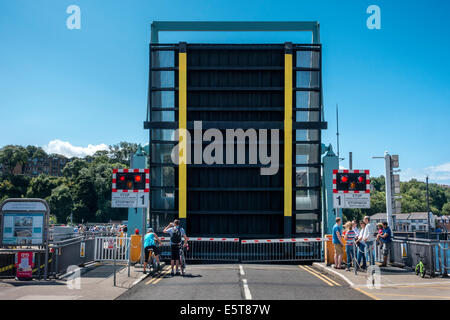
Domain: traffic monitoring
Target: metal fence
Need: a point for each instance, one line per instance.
(441, 252)
(77, 251)
(207, 249)
(435, 254)
(281, 250)
(112, 248)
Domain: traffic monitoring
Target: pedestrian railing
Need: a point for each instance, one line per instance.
(207, 249)
(282, 250)
(112, 248)
(407, 252)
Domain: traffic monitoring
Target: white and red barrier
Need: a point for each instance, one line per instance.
(164, 239)
(284, 240)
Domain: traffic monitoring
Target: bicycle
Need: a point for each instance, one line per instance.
(183, 259)
(420, 267)
(153, 263)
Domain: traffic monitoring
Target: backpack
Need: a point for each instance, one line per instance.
(176, 236)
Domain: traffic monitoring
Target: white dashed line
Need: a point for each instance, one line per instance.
(241, 270)
(248, 295)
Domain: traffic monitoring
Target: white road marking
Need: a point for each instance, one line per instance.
(248, 295)
(241, 270)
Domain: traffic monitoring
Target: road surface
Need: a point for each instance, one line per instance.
(244, 282)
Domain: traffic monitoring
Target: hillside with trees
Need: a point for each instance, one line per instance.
(84, 188)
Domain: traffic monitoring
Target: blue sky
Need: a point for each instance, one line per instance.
(89, 86)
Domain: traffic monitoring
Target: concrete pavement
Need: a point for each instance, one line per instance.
(245, 282)
(95, 283)
(392, 283)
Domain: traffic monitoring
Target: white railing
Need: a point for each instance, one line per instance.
(112, 248)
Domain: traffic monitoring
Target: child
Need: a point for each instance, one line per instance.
(350, 242)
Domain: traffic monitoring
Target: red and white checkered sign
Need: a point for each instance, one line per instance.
(147, 179)
(367, 172)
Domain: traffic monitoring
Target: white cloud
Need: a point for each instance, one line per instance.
(67, 149)
(438, 174)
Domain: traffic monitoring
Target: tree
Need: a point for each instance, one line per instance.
(42, 186)
(122, 152)
(446, 209)
(36, 152)
(61, 204)
(72, 169)
(11, 156)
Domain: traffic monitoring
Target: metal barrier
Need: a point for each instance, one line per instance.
(441, 252)
(111, 248)
(282, 250)
(77, 251)
(407, 252)
(207, 249)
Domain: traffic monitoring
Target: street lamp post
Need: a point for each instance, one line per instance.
(428, 210)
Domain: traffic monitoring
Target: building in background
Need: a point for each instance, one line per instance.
(52, 165)
(408, 222)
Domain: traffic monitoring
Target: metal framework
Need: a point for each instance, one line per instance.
(292, 114)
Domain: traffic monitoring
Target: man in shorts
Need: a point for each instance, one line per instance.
(176, 235)
(338, 244)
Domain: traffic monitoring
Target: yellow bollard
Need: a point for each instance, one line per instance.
(135, 248)
(329, 251)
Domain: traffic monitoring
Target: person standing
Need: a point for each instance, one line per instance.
(338, 244)
(176, 234)
(361, 246)
(355, 228)
(349, 237)
(386, 240)
(369, 239)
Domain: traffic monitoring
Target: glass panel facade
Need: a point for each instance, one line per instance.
(163, 99)
(306, 199)
(307, 177)
(163, 79)
(161, 153)
(163, 59)
(307, 99)
(306, 135)
(308, 59)
(165, 116)
(307, 79)
(163, 177)
(162, 199)
(163, 134)
(306, 153)
(307, 223)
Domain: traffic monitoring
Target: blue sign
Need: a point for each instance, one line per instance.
(23, 228)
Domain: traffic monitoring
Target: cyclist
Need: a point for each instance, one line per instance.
(176, 234)
(150, 244)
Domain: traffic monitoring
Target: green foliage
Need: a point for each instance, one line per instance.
(84, 189)
(42, 186)
(122, 152)
(11, 156)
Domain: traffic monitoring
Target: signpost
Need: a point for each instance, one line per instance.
(130, 188)
(351, 189)
(24, 222)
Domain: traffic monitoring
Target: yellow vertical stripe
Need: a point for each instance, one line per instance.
(182, 122)
(288, 135)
